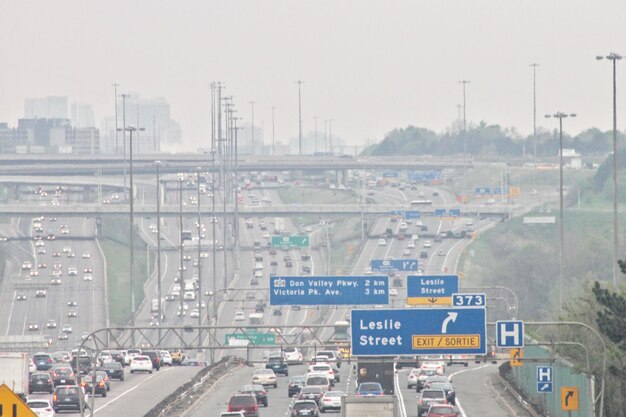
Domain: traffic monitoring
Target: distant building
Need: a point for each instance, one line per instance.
(45, 108)
(82, 115)
(84, 141)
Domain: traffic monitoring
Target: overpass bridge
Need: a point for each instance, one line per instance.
(65, 165)
(276, 210)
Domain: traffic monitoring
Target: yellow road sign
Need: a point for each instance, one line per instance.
(516, 356)
(448, 341)
(429, 301)
(569, 398)
(11, 405)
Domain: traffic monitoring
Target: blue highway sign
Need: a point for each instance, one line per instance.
(431, 289)
(433, 331)
(510, 334)
(482, 191)
(469, 300)
(447, 212)
(329, 290)
(393, 265)
(412, 215)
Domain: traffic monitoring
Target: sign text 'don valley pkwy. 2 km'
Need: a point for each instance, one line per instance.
(329, 290)
(441, 331)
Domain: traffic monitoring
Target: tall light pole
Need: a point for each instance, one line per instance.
(613, 57)
(115, 85)
(315, 123)
(273, 133)
(534, 67)
(464, 83)
(124, 96)
(132, 129)
(199, 230)
(252, 128)
(299, 82)
(214, 258)
(158, 198)
(180, 179)
(561, 116)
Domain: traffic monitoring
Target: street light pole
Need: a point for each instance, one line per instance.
(158, 196)
(464, 83)
(299, 82)
(561, 116)
(613, 57)
(180, 225)
(315, 148)
(252, 128)
(124, 139)
(199, 230)
(115, 85)
(534, 67)
(273, 132)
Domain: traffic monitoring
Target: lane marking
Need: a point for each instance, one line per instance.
(458, 401)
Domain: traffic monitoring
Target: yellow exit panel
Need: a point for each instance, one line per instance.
(516, 356)
(569, 398)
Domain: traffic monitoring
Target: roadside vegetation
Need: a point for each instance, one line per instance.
(114, 242)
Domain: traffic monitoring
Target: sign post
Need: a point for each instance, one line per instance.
(441, 331)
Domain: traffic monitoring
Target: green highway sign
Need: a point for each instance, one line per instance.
(254, 338)
(289, 241)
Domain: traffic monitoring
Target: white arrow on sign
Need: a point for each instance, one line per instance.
(544, 387)
(451, 318)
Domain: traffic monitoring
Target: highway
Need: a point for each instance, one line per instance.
(140, 392)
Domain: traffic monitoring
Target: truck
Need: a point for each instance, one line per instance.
(14, 372)
(383, 406)
(377, 369)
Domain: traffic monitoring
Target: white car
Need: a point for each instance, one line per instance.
(86, 255)
(331, 400)
(412, 377)
(140, 363)
(322, 368)
(32, 367)
(382, 242)
(195, 313)
(293, 355)
(264, 377)
(441, 252)
(166, 358)
(427, 244)
(410, 245)
(368, 270)
(41, 408)
(240, 316)
(87, 277)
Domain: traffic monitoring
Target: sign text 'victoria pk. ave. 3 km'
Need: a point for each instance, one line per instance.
(329, 290)
(431, 331)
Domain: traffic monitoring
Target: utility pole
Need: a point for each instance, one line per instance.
(299, 82)
(534, 67)
(330, 136)
(115, 85)
(464, 83)
(252, 129)
(158, 196)
(124, 96)
(315, 119)
(273, 132)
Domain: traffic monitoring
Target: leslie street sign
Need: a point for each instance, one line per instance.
(329, 290)
(440, 331)
(431, 289)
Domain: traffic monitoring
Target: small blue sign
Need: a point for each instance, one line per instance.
(329, 290)
(393, 265)
(544, 374)
(482, 191)
(412, 215)
(447, 212)
(424, 175)
(396, 212)
(469, 300)
(500, 191)
(510, 334)
(544, 387)
(432, 331)
(436, 286)
(390, 174)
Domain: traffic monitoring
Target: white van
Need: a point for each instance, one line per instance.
(318, 380)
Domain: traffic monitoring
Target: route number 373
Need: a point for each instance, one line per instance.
(468, 300)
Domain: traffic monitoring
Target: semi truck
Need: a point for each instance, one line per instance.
(383, 406)
(377, 369)
(14, 372)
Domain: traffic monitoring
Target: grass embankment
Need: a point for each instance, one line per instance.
(115, 244)
(344, 232)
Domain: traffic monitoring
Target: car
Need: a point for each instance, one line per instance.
(306, 269)
(427, 244)
(430, 397)
(41, 251)
(62, 336)
(441, 410)
(240, 316)
(446, 386)
(311, 393)
(245, 403)
(288, 264)
(62, 374)
(329, 356)
(27, 265)
(331, 401)
(41, 407)
(72, 303)
(97, 388)
(114, 370)
(369, 389)
(33, 327)
(140, 363)
(86, 255)
(323, 368)
(293, 355)
(490, 356)
(265, 377)
(305, 408)
(51, 324)
(56, 281)
(155, 358)
(40, 294)
(195, 313)
(166, 358)
(382, 242)
(87, 277)
(56, 254)
(71, 255)
(441, 252)
(40, 382)
(295, 385)
(68, 397)
(412, 378)
(258, 391)
(20, 297)
(88, 270)
(410, 245)
(278, 365)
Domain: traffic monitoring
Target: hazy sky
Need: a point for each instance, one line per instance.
(370, 66)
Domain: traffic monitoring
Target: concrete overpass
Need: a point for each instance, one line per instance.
(144, 164)
(276, 210)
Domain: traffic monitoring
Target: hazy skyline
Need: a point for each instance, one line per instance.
(370, 66)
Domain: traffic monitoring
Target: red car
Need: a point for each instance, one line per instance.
(441, 411)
